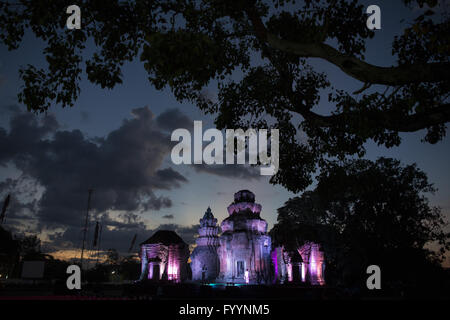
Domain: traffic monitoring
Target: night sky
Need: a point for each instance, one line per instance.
(118, 143)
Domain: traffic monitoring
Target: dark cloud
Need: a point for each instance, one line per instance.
(117, 235)
(20, 212)
(170, 175)
(25, 134)
(156, 203)
(173, 119)
(122, 168)
(187, 233)
(234, 171)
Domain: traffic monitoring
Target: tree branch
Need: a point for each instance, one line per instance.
(363, 71)
(420, 120)
(369, 74)
(410, 123)
(354, 67)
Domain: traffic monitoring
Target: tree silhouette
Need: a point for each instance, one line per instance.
(365, 213)
(30, 245)
(189, 46)
(130, 268)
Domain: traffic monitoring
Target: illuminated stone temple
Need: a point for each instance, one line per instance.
(313, 263)
(240, 252)
(245, 246)
(304, 265)
(164, 256)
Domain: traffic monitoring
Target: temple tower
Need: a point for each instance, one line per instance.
(204, 258)
(245, 246)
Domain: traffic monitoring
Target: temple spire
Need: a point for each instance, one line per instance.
(205, 261)
(208, 214)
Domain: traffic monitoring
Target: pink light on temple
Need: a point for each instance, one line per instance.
(313, 266)
(316, 263)
(150, 273)
(274, 256)
(303, 272)
(289, 272)
(164, 256)
(319, 272)
(313, 262)
(244, 243)
(172, 271)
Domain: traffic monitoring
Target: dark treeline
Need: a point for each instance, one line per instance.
(371, 213)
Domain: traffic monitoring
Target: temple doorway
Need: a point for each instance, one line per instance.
(296, 273)
(155, 272)
(240, 268)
